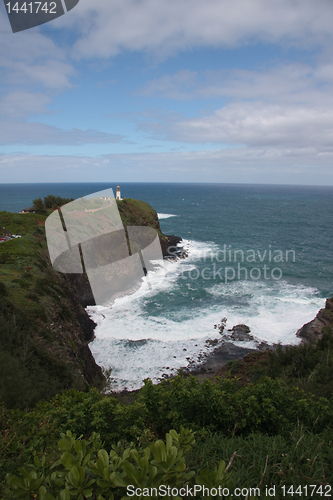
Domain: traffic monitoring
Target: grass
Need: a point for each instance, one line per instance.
(298, 459)
(37, 317)
(43, 349)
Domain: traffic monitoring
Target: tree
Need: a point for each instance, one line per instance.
(39, 206)
(50, 201)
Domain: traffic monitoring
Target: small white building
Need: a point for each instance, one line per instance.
(118, 195)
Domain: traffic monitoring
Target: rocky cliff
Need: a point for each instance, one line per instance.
(132, 213)
(314, 330)
(44, 328)
(139, 213)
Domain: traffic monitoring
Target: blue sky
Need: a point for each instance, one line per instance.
(170, 90)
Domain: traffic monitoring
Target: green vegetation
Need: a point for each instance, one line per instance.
(276, 434)
(50, 202)
(40, 319)
(139, 213)
(268, 428)
(84, 468)
(268, 416)
(308, 365)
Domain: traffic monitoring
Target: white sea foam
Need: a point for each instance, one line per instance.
(273, 312)
(142, 336)
(199, 249)
(166, 216)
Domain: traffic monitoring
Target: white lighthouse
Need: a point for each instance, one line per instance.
(118, 196)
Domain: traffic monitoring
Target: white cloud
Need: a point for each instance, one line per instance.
(20, 132)
(108, 27)
(283, 106)
(31, 58)
(281, 116)
(239, 165)
(259, 124)
(293, 82)
(21, 103)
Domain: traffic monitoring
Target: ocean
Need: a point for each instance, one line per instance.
(257, 255)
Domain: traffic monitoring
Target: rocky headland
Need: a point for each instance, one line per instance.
(45, 330)
(132, 213)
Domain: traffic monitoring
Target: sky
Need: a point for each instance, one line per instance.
(227, 91)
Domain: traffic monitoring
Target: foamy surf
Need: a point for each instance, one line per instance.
(166, 216)
(273, 312)
(161, 328)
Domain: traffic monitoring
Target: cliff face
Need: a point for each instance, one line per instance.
(44, 328)
(314, 329)
(139, 213)
(132, 213)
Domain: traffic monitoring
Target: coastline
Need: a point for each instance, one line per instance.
(222, 350)
(219, 357)
(213, 363)
(227, 351)
(210, 361)
(314, 329)
(216, 363)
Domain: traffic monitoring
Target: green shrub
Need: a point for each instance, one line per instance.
(5, 257)
(85, 470)
(309, 365)
(51, 201)
(3, 289)
(269, 406)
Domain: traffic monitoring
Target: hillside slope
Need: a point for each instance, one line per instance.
(44, 328)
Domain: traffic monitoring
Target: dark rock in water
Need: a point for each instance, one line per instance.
(170, 248)
(239, 332)
(211, 342)
(241, 329)
(227, 351)
(206, 366)
(313, 330)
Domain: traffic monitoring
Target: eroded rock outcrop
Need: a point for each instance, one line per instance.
(314, 329)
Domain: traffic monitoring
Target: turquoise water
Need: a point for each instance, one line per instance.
(259, 255)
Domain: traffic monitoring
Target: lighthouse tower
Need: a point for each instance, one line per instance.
(118, 197)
